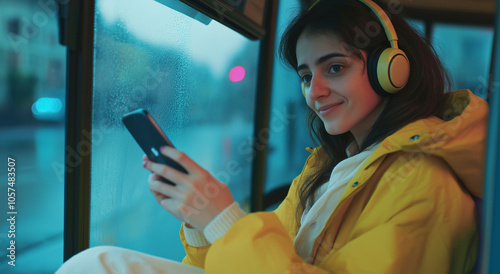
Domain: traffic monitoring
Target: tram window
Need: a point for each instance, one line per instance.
(151, 56)
(418, 25)
(466, 52)
(32, 102)
(287, 137)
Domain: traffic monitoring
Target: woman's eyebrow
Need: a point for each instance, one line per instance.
(322, 59)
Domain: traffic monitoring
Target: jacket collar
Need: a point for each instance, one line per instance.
(458, 136)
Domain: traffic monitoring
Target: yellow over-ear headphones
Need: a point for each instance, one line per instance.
(388, 68)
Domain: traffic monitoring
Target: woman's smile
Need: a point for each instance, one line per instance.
(326, 110)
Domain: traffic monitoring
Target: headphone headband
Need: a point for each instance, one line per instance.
(390, 32)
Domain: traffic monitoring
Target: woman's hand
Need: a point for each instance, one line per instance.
(197, 197)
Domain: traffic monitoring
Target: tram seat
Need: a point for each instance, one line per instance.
(273, 198)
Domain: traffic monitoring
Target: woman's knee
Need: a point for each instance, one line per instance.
(95, 258)
(98, 252)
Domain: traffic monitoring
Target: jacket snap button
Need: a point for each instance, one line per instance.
(355, 184)
(413, 138)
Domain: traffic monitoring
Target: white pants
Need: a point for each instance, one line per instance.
(111, 259)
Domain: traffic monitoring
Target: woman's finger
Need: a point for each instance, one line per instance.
(159, 197)
(165, 189)
(181, 158)
(167, 172)
(170, 205)
(154, 177)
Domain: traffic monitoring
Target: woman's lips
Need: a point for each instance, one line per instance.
(327, 109)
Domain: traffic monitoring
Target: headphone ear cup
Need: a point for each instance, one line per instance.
(388, 70)
(393, 70)
(372, 67)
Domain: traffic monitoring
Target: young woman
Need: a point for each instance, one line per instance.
(389, 188)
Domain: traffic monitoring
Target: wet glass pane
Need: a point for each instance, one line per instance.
(466, 52)
(178, 67)
(32, 100)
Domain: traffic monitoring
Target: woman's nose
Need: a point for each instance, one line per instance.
(319, 87)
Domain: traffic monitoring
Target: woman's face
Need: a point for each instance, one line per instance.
(336, 85)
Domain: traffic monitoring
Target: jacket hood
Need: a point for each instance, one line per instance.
(458, 137)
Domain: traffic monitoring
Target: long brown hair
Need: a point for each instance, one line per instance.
(360, 29)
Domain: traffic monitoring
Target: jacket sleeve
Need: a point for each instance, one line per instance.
(257, 243)
(195, 255)
(283, 221)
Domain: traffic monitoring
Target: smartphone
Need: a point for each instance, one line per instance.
(150, 138)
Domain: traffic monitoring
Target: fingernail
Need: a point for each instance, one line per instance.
(145, 164)
(162, 149)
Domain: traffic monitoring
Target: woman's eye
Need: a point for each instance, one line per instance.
(336, 68)
(306, 78)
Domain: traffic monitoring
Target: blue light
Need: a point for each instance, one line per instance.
(47, 105)
(48, 109)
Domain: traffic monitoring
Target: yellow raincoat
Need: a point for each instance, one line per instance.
(408, 209)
